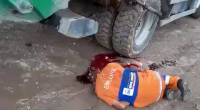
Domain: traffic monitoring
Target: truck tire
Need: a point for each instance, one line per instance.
(106, 20)
(133, 29)
(196, 15)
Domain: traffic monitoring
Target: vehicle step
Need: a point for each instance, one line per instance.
(176, 1)
(176, 16)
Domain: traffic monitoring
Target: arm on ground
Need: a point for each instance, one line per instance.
(120, 104)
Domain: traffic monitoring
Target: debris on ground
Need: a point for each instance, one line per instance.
(26, 75)
(26, 80)
(28, 44)
(22, 101)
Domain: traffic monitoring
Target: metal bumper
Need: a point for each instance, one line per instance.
(73, 25)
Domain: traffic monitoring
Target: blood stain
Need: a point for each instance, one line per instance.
(155, 66)
(99, 62)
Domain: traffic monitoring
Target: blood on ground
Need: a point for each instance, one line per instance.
(155, 66)
(99, 62)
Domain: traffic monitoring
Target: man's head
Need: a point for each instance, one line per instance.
(89, 77)
(101, 60)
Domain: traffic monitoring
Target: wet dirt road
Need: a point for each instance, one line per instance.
(38, 66)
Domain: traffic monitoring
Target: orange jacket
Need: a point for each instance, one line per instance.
(138, 88)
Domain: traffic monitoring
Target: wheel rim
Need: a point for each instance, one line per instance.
(143, 28)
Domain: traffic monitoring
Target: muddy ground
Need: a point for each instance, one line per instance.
(41, 74)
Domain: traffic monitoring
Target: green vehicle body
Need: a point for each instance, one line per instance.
(57, 14)
(64, 20)
(42, 8)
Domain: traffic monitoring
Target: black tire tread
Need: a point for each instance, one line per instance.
(126, 20)
(104, 34)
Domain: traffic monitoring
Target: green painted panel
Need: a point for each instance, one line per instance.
(47, 7)
(6, 14)
(44, 7)
(42, 10)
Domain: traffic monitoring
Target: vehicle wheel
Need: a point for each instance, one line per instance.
(196, 15)
(133, 29)
(106, 20)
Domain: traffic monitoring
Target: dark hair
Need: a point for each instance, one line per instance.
(89, 77)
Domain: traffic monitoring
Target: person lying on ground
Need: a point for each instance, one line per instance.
(120, 87)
